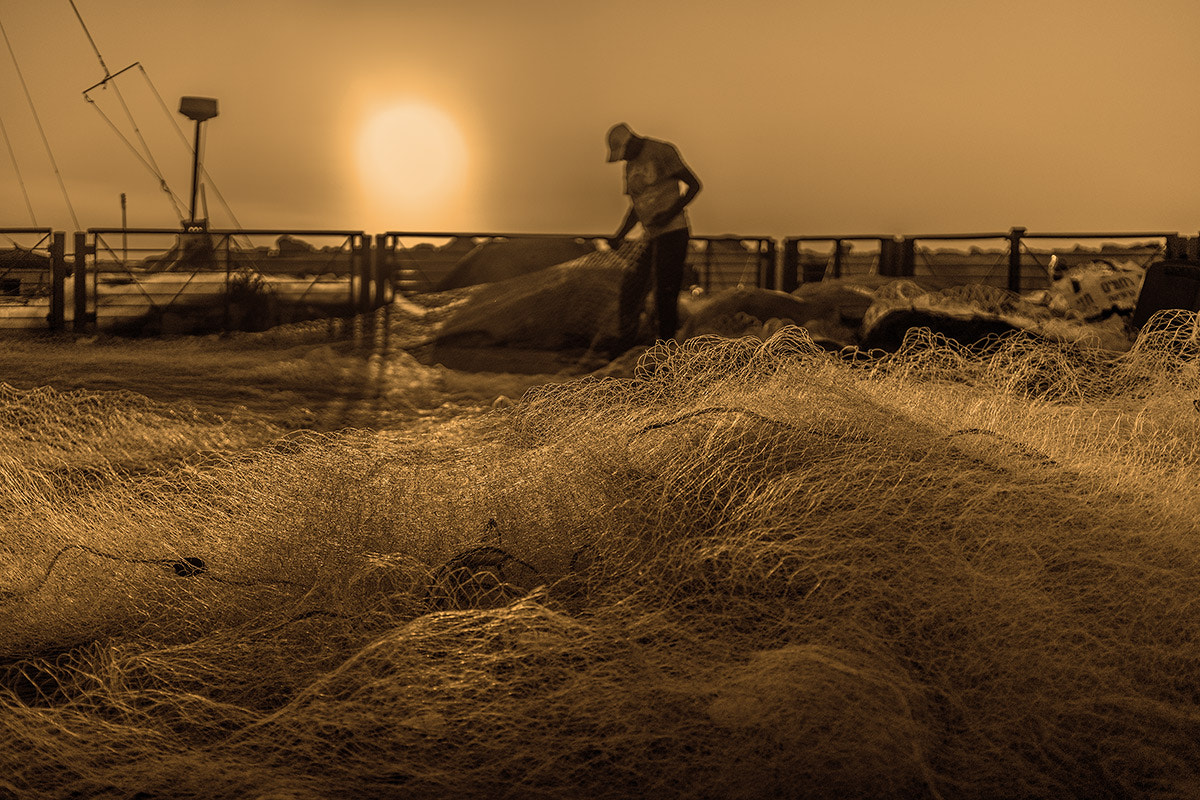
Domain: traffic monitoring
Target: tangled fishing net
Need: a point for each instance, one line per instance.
(566, 305)
(751, 570)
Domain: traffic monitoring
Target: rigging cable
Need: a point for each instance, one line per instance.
(152, 168)
(148, 159)
(41, 130)
(13, 156)
(92, 41)
(183, 137)
(150, 163)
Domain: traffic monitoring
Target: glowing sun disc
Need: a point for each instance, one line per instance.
(411, 154)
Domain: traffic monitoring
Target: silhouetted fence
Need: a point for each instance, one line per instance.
(1010, 260)
(33, 270)
(427, 261)
(154, 280)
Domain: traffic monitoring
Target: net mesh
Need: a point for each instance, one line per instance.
(752, 569)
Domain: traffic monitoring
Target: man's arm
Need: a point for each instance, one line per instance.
(689, 194)
(626, 226)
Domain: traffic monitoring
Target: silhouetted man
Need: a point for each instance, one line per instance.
(654, 171)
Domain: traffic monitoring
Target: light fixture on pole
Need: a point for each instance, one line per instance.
(198, 109)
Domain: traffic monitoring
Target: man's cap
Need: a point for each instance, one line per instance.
(618, 137)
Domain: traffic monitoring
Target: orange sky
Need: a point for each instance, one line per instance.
(800, 117)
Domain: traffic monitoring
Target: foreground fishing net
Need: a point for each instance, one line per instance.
(753, 570)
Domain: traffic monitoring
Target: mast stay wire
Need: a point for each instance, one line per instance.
(148, 159)
(157, 170)
(183, 138)
(150, 164)
(92, 41)
(16, 167)
(41, 130)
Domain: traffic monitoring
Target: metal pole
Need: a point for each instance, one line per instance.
(1174, 247)
(908, 256)
(382, 268)
(360, 248)
(227, 314)
(707, 265)
(58, 277)
(789, 278)
(124, 233)
(766, 263)
(80, 323)
(1014, 259)
(195, 169)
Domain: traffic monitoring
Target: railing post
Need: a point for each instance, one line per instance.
(707, 282)
(766, 263)
(81, 319)
(58, 278)
(789, 281)
(887, 257)
(1175, 247)
(381, 262)
(360, 248)
(1180, 248)
(908, 257)
(226, 244)
(1014, 259)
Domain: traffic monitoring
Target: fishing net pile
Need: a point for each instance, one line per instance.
(566, 305)
(974, 311)
(751, 570)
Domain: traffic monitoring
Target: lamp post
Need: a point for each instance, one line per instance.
(198, 109)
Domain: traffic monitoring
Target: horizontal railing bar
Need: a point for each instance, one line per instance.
(856, 237)
(239, 232)
(1120, 235)
(992, 235)
(478, 234)
(733, 238)
(957, 236)
(482, 234)
(494, 235)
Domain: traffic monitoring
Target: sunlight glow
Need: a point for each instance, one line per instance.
(412, 159)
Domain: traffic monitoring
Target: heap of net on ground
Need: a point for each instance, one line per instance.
(751, 570)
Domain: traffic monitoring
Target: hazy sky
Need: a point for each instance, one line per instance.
(842, 116)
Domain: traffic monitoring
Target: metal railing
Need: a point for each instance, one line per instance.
(726, 262)
(426, 261)
(152, 280)
(32, 271)
(1016, 264)
(803, 263)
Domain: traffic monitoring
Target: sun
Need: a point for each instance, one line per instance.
(411, 158)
